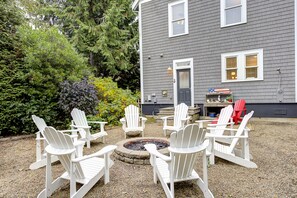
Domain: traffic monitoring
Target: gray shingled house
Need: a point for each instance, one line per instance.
(247, 46)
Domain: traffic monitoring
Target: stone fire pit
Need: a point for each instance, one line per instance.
(132, 150)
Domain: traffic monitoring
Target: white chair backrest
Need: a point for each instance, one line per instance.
(60, 142)
(132, 116)
(240, 129)
(80, 119)
(180, 112)
(190, 137)
(40, 123)
(224, 117)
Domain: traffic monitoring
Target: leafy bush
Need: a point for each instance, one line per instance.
(79, 95)
(112, 100)
(31, 86)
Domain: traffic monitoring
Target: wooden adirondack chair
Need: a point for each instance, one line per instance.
(86, 170)
(180, 118)
(232, 152)
(184, 148)
(80, 122)
(40, 154)
(239, 107)
(131, 121)
(223, 121)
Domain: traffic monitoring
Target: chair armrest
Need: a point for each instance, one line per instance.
(152, 149)
(78, 143)
(221, 124)
(198, 121)
(123, 121)
(225, 129)
(186, 119)
(103, 151)
(96, 122)
(77, 126)
(166, 117)
(143, 118)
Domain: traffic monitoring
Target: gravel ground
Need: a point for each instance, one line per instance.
(273, 146)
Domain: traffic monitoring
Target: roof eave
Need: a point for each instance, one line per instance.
(135, 5)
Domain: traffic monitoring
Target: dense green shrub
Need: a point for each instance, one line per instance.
(32, 87)
(11, 70)
(81, 95)
(112, 100)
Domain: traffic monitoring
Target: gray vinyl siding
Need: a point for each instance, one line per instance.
(270, 26)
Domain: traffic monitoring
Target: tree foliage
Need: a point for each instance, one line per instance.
(32, 85)
(104, 31)
(11, 70)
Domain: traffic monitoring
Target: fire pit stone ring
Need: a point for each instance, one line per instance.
(125, 153)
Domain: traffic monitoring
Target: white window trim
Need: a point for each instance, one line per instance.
(241, 68)
(243, 14)
(170, 18)
(175, 68)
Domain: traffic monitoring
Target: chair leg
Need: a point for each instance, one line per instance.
(88, 144)
(211, 150)
(205, 176)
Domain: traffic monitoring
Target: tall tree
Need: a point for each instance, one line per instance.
(11, 68)
(104, 31)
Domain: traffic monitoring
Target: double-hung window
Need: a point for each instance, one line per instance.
(178, 18)
(242, 66)
(233, 12)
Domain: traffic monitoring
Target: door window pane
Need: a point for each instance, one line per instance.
(233, 15)
(178, 11)
(184, 79)
(232, 3)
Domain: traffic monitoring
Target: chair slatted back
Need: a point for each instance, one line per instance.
(239, 107)
(240, 129)
(224, 117)
(80, 119)
(62, 142)
(40, 123)
(180, 112)
(132, 116)
(191, 136)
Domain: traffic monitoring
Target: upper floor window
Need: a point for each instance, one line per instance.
(233, 12)
(178, 18)
(242, 66)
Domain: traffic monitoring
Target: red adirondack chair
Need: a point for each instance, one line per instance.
(239, 107)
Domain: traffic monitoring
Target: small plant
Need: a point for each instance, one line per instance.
(81, 95)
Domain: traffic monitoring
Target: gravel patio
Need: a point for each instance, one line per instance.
(272, 144)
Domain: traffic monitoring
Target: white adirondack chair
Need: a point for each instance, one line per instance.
(80, 122)
(231, 152)
(184, 148)
(40, 154)
(132, 122)
(180, 118)
(86, 170)
(225, 119)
